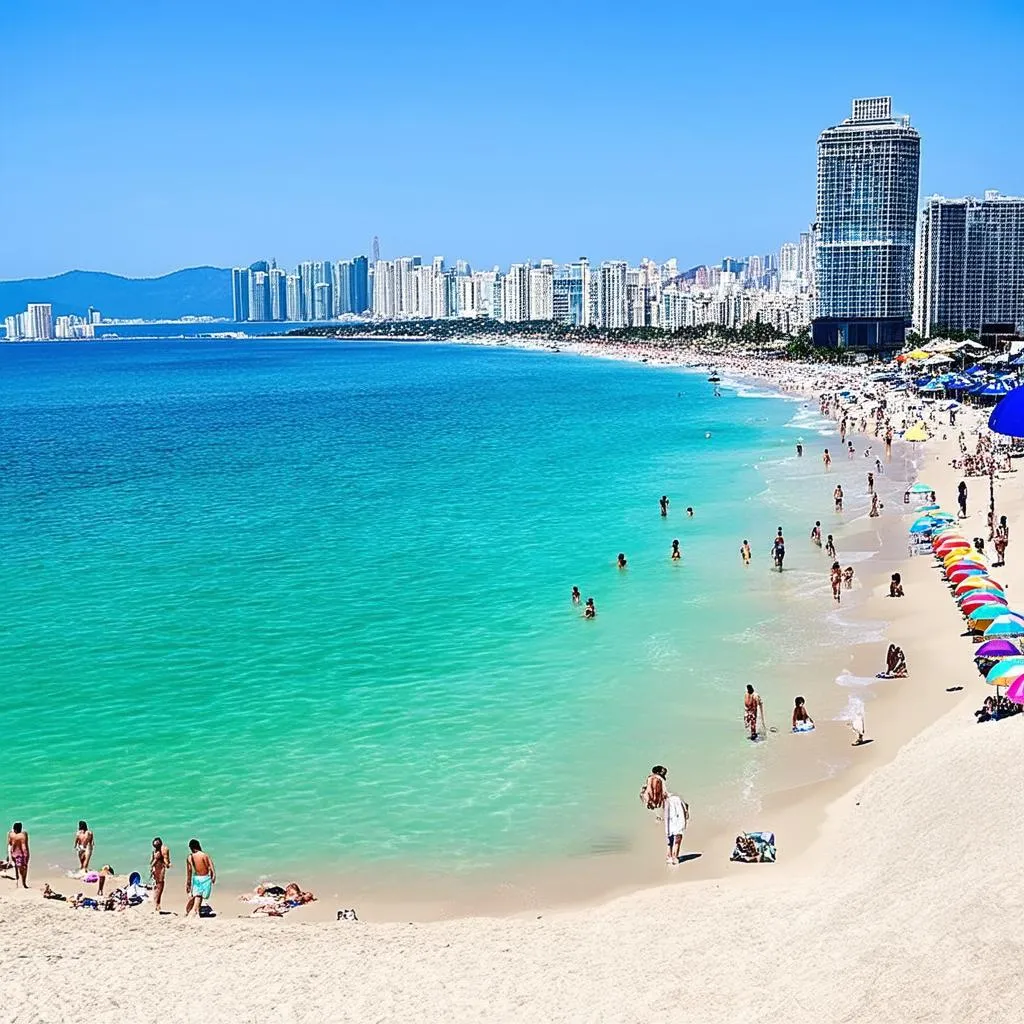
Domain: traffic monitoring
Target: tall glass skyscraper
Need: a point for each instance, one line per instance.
(868, 169)
(970, 264)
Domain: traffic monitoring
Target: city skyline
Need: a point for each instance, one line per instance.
(565, 132)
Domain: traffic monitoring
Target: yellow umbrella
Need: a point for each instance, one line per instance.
(919, 353)
(963, 556)
(918, 432)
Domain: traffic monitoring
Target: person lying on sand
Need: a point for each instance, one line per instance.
(293, 894)
(49, 894)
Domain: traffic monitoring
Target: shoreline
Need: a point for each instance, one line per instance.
(795, 791)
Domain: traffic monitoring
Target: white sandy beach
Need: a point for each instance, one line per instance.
(905, 907)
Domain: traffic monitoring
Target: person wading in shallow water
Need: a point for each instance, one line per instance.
(752, 707)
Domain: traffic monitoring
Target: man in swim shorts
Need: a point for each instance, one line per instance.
(200, 874)
(18, 853)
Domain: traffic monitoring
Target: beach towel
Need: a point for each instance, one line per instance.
(762, 842)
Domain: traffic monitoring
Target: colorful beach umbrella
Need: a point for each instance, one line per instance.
(928, 508)
(947, 542)
(952, 549)
(1006, 625)
(921, 489)
(918, 432)
(977, 598)
(979, 583)
(1008, 668)
(958, 573)
(995, 649)
(1015, 692)
(986, 613)
(923, 525)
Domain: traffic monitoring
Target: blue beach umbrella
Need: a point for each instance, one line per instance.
(935, 384)
(987, 612)
(992, 389)
(921, 489)
(927, 508)
(1005, 666)
(923, 525)
(1008, 416)
(1006, 625)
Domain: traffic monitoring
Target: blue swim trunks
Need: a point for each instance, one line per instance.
(202, 885)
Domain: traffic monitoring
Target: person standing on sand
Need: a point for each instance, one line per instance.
(961, 499)
(677, 816)
(752, 706)
(1001, 538)
(84, 843)
(200, 875)
(18, 852)
(871, 483)
(159, 862)
(745, 552)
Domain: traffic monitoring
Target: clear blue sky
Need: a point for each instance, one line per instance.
(145, 136)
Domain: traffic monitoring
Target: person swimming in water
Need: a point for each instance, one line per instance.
(621, 561)
(576, 596)
(802, 721)
(689, 511)
(676, 553)
(589, 611)
(663, 502)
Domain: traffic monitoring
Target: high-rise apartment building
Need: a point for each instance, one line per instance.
(278, 288)
(611, 294)
(39, 321)
(570, 297)
(293, 297)
(542, 291)
(515, 294)
(970, 270)
(868, 167)
(240, 293)
(358, 286)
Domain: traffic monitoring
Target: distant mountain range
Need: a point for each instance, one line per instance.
(197, 291)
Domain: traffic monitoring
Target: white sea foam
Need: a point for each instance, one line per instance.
(848, 680)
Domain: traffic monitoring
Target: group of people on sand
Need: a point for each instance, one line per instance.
(272, 900)
(895, 664)
(200, 872)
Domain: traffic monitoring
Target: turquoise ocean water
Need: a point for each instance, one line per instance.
(314, 596)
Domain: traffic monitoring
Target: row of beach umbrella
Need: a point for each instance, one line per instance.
(982, 601)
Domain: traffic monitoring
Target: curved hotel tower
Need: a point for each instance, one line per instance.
(866, 218)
